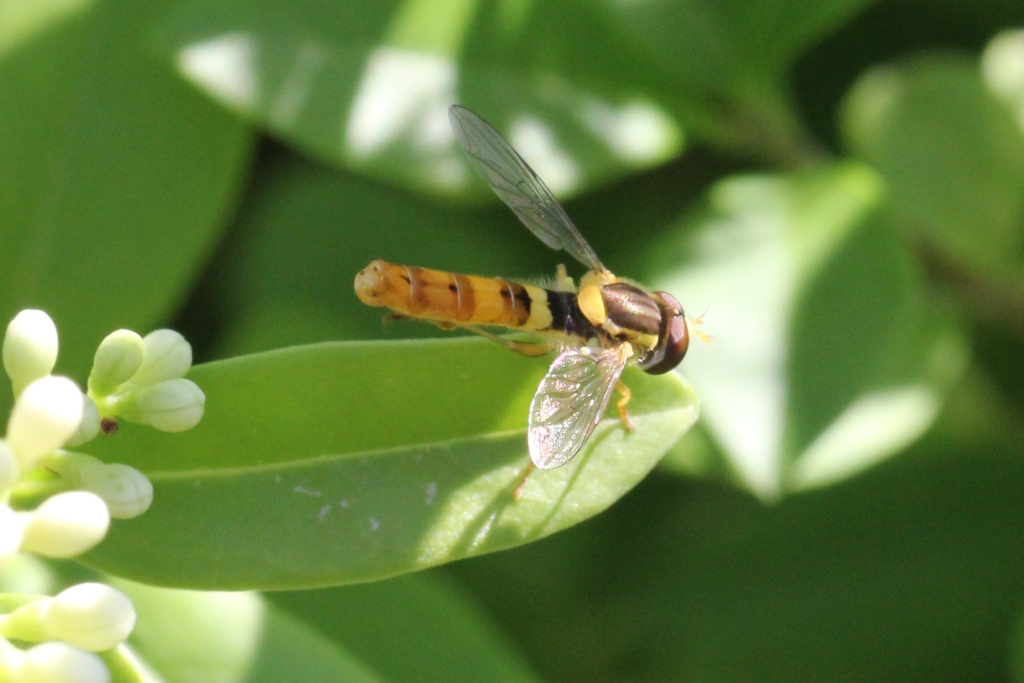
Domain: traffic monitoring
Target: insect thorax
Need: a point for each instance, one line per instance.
(566, 316)
(623, 313)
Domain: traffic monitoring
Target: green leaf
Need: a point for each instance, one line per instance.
(700, 69)
(724, 45)
(117, 176)
(339, 463)
(232, 638)
(826, 355)
(951, 154)
(1000, 66)
(1016, 658)
(721, 68)
(444, 636)
(369, 88)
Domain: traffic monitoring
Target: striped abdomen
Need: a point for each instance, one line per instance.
(451, 297)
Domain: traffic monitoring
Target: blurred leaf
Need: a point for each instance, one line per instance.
(696, 455)
(189, 636)
(1016, 663)
(370, 87)
(441, 635)
(951, 154)
(1001, 68)
(583, 90)
(116, 175)
(340, 463)
(732, 44)
(720, 68)
(826, 356)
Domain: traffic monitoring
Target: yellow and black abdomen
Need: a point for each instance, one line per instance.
(451, 297)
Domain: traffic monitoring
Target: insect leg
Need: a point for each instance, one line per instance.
(627, 421)
(517, 492)
(523, 347)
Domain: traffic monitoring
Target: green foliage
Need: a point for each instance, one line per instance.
(837, 189)
(350, 462)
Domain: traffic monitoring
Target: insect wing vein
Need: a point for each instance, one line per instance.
(518, 185)
(570, 401)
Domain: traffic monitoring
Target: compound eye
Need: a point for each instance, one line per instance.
(674, 337)
(676, 342)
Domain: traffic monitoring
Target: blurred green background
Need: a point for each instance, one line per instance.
(836, 187)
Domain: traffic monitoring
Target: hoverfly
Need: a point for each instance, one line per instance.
(597, 328)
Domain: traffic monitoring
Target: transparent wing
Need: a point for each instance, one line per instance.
(514, 181)
(570, 401)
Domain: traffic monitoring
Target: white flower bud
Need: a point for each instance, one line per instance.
(117, 359)
(126, 491)
(172, 406)
(68, 465)
(90, 425)
(10, 533)
(65, 525)
(44, 417)
(166, 356)
(92, 616)
(11, 659)
(8, 468)
(30, 348)
(59, 663)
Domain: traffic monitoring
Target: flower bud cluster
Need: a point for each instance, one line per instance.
(141, 379)
(137, 379)
(133, 378)
(66, 631)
